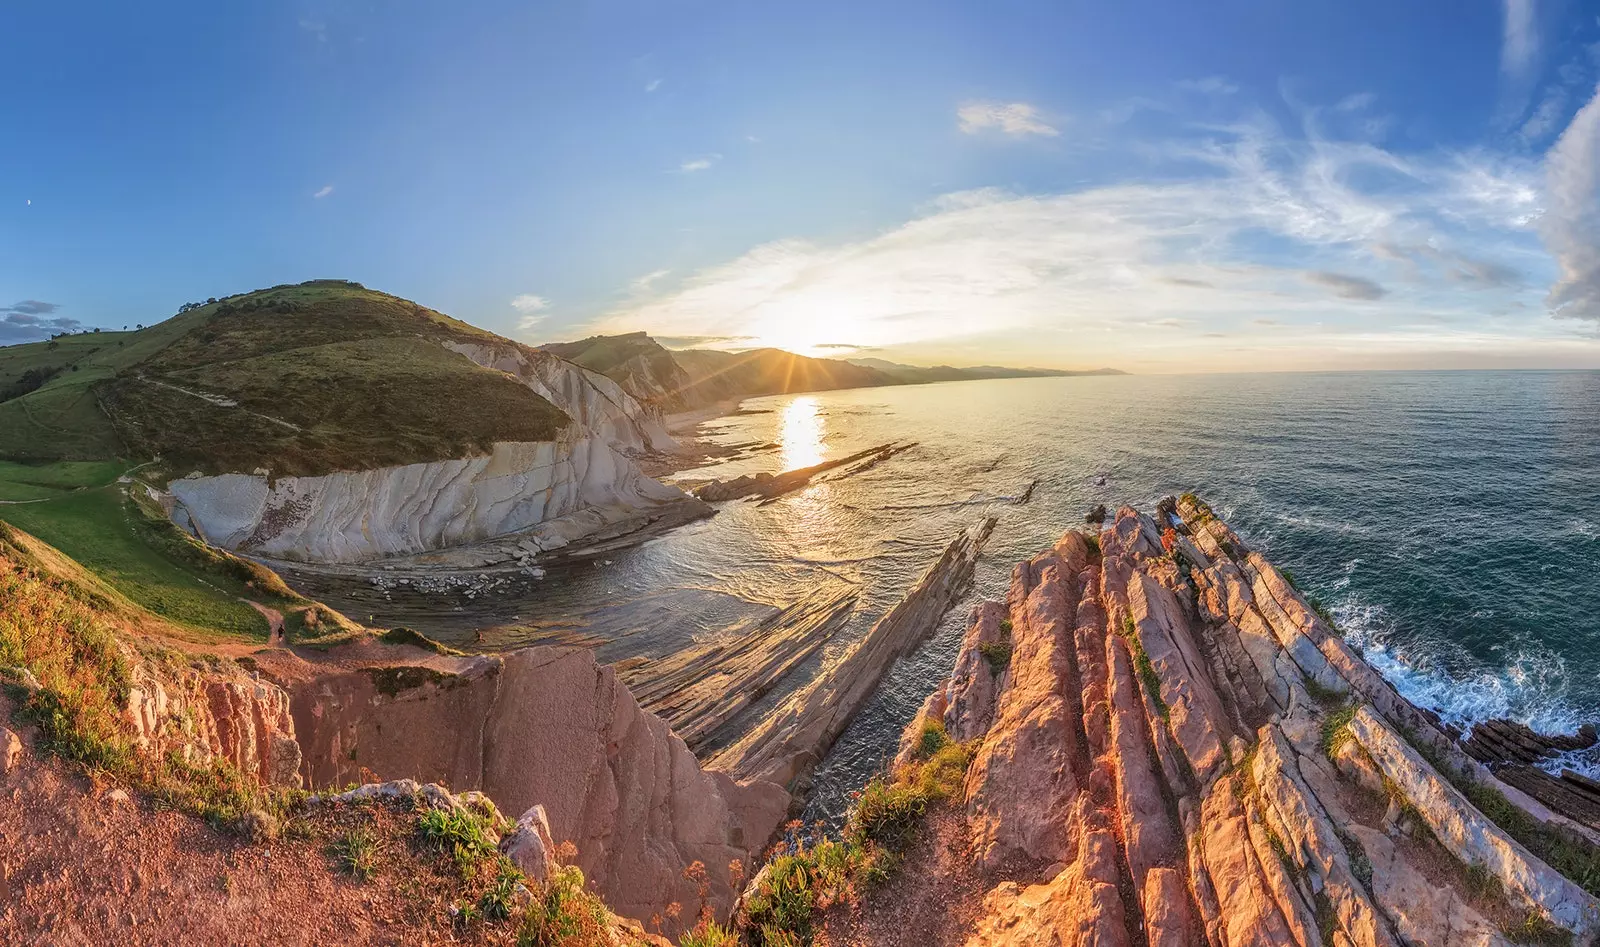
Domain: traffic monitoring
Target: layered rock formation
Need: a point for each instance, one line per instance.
(1172, 747)
(550, 493)
(540, 727)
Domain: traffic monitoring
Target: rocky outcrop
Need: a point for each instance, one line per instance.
(595, 403)
(533, 488)
(210, 714)
(1180, 750)
(549, 727)
(545, 493)
(542, 731)
(790, 742)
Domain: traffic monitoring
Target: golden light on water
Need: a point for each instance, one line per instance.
(800, 434)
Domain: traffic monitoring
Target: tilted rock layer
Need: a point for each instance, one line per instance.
(585, 477)
(1180, 751)
(539, 727)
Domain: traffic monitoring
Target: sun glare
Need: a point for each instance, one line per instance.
(800, 434)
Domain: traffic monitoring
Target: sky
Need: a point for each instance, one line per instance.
(1154, 186)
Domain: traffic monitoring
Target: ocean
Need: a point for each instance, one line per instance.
(1450, 521)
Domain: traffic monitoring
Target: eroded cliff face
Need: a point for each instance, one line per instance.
(560, 490)
(1181, 751)
(395, 511)
(542, 726)
(548, 726)
(595, 402)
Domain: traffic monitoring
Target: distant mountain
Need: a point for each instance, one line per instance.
(684, 379)
(720, 375)
(916, 374)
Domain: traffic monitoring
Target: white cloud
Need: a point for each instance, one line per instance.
(1520, 45)
(322, 192)
(1210, 85)
(652, 85)
(1571, 225)
(1013, 118)
(1356, 102)
(645, 282)
(699, 164)
(532, 308)
(1283, 230)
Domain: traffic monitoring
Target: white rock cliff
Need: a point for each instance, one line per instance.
(585, 477)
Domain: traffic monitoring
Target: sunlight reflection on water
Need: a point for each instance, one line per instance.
(801, 434)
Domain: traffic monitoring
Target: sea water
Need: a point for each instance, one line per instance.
(1450, 521)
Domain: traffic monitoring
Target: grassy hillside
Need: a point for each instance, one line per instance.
(301, 379)
(124, 546)
(636, 362)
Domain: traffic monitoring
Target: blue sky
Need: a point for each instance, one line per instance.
(1158, 186)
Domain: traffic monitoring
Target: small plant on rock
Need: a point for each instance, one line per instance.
(997, 653)
(356, 853)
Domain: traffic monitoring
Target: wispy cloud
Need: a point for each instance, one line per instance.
(1282, 228)
(316, 28)
(647, 281)
(1356, 102)
(652, 85)
(701, 163)
(1519, 47)
(533, 309)
(1018, 119)
(1347, 287)
(1210, 85)
(323, 191)
(1571, 225)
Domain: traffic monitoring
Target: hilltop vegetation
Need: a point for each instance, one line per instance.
(301, 379)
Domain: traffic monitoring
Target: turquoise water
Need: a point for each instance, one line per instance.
(1449, 519)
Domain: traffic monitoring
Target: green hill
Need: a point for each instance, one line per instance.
(299, 379)
(636, 362)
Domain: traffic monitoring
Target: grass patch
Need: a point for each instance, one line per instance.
(784, 907)
(1535, 929)
(468, 838)
(396, 680)
(415, 638)
(1144, 668)
(128, 544)
(563, 912)
(356, 853)
(997, 653)
(1575, 858)
(126, 547)
(1327, 917)
(63, 635)
(1336, 730)
(47, 481)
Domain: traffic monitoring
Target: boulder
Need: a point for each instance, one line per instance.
(530, 846)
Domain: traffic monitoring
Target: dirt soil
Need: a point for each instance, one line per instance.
(87, 864)
(933, 900)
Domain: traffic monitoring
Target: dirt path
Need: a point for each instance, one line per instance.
(274, 619)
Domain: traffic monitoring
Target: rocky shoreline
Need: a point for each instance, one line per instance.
(1170, 746)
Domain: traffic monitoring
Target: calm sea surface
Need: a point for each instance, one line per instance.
(1449, 519)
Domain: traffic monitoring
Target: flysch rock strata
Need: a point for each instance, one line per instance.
(537, 727)
(541, 496)
(1176, 749)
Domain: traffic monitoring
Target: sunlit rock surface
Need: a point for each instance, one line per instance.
(1180, 750)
